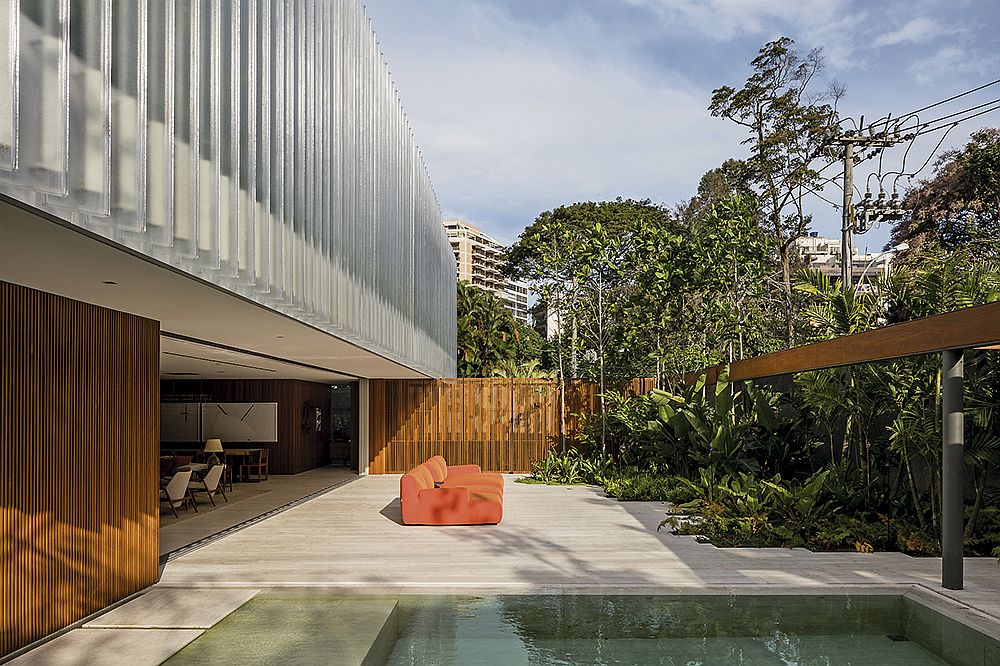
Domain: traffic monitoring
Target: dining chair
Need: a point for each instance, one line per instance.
(257, 466)
(211, 484)
(175, 493)
(227, 479)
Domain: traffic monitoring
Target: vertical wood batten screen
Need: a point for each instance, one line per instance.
(79, 430)
(500, 424)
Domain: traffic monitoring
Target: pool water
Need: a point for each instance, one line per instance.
(693, 630)
(308, 626)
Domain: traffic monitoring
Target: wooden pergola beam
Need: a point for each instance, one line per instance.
(975, 327)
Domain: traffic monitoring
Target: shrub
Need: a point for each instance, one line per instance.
(569, 467)
(641, 487)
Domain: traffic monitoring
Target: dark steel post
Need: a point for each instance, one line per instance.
(952, 466)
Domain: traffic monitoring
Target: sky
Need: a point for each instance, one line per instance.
(520, 106)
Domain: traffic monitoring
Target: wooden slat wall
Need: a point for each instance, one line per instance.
(297, 450)
(500, 424)
(79, 430)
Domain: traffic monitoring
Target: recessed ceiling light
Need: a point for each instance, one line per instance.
(280, 337)
(110, 282)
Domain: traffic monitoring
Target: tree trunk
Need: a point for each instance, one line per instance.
(601, 348)
(915, 496)
(562, 379)
(980, 483)
(784, 255)
(573, 368)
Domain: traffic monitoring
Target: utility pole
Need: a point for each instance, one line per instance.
(847, 223)
(861, 141)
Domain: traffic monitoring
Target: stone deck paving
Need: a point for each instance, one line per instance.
(552, 538)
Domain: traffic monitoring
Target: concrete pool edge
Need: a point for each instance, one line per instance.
(951, 629)
(934, 599)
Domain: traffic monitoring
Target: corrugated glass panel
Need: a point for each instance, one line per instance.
(9, 22)
(258, 144)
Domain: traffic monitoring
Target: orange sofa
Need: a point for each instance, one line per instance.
(468, 476)
(423, 503)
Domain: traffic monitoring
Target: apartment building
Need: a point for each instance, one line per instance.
(824, 254)
(480, 259)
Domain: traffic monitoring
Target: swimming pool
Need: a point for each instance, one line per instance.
(599, 629)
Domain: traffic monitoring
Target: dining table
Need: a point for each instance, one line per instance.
(241, 454)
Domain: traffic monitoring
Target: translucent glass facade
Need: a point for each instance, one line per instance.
(257, 144)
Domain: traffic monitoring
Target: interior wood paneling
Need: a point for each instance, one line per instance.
(298, 449)
(79, 431)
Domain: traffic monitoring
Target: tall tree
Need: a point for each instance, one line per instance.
(788, 124)
(958, 209)
(583, 260)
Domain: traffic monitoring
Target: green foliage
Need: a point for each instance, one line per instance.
(569, 467)
(958, 208)
(513, 369)
(694, 430)
(639, 291)
(490, 340)
(644, 486)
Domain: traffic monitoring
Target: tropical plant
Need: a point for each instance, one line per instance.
(512, 368)
(569, 467)
(488, 335)
(696, 430)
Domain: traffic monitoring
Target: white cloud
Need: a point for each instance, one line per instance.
(916, 31)
(827, 23)
(950, 63)
(725, 19)
(520, 118)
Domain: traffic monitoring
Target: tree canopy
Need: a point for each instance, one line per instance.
(959, 207)
(788, 123)
(490, 340)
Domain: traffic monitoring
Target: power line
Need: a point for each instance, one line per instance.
(927, 161)
(950, 99)
(920, 126)
(961, 120)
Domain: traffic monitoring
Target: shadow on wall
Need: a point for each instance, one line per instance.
(58, 572)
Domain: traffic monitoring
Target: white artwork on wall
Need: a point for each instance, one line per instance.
(240, 421)
(180, 422)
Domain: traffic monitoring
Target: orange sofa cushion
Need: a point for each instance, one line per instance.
(423, 504)
(462, 475)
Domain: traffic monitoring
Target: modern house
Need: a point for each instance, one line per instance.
(218, 199)
(480, 259)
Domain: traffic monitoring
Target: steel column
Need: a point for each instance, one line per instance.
(952, 452)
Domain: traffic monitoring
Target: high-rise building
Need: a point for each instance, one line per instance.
(480, 259)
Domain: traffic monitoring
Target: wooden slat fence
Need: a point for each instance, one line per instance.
(79, 432)
(500, 424)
